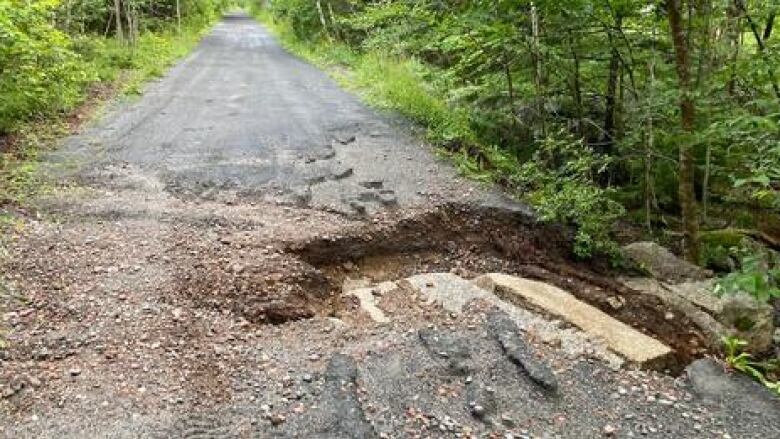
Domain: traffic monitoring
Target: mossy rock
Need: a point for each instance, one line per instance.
(723, 237)
(720, 249)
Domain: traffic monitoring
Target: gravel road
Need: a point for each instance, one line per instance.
(160, 290)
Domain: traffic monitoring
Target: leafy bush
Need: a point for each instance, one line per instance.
(560, 183)
(757, 277)
(302, 16)
(41, 74)
(743, 362)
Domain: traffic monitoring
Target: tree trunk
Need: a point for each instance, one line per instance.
(686, 191)
(322, 18)
(67, 16)
(577, 86)
(740, 4)
(611, 96)
(178, 15)
(770, 22)
(541, 130)
(118, 17)
(733, 34)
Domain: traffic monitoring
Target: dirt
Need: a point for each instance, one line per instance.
(472, 241)
(183, 279)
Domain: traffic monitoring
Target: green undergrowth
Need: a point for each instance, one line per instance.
(765, 372)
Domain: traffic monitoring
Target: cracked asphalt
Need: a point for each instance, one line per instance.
(241, 117)
(143, 288)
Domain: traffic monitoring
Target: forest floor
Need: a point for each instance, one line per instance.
(184, 279)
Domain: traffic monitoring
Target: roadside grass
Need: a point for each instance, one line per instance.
(116, 69)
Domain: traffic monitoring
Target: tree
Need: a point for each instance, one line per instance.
(686, 185)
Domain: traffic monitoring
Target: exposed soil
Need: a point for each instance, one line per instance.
(473, 241)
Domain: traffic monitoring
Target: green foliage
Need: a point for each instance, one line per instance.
(560, 183)
(755, 141)
(396, 84)
(757, 277)
(743, 362)
(302, 16)
(41, 74)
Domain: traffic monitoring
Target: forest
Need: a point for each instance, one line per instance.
(659, 117)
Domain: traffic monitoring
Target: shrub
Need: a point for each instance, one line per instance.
(40, 72)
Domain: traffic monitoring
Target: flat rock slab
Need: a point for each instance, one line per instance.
(636, 347)
(716, 316)
(447, 289)
(663, 264)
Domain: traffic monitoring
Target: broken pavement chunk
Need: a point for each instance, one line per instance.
(501, 326)
(367, 298)
(626, 341)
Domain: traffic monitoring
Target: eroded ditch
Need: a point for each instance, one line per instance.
(299, 279)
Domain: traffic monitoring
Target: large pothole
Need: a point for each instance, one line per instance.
(299, 279)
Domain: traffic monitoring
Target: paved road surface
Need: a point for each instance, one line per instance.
(242, 117)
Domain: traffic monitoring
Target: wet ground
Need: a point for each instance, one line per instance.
(184, 280)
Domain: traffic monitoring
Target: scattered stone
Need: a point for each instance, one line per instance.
(367, 299)
(34, 382)
(277, 419)
(341, 173)
(345, 140)
(615, 302)
(74, 372)
(609, 430)
(372, 184)
(477, 410)
(507, 420)
(8, 392)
